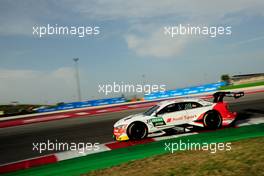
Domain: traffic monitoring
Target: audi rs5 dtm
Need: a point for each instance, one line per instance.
(185, 113)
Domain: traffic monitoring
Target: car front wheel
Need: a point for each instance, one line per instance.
(137, 130)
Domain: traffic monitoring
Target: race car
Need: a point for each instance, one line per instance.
(185, 113)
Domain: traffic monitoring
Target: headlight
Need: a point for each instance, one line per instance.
(121, 127)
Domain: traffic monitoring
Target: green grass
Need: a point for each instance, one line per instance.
(242, 85)
(245, 158)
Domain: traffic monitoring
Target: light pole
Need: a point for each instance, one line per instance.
(144, 79)
(77, 78)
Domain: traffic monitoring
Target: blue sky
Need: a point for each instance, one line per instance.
(131, 43)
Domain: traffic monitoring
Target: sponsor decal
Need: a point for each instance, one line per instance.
(185, 117)
(157, 121)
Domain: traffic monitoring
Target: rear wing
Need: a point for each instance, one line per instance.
(219, 96)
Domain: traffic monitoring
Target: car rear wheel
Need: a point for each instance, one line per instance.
(137, 130)
(212, 120)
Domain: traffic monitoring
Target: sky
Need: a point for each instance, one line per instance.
(131, 43)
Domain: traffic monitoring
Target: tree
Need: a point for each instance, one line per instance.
(226, 78)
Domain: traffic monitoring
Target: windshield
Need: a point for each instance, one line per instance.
(151, 110)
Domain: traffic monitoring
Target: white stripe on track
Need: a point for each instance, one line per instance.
(74, 154)
(174, 136)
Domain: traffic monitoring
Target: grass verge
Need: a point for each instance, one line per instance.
(245, 158)
(242, 85)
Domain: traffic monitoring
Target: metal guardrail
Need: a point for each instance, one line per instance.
(185, 91)
(90, 103)
(158, 95)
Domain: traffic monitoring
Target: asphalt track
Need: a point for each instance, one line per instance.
(16, 142)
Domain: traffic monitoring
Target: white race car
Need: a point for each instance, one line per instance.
(185, 113)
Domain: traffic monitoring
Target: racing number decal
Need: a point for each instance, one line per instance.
(158, 121)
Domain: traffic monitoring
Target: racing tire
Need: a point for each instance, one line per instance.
(137, 131)
(212, 120)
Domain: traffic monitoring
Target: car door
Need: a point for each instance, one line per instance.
(194, 110)
(173, 114)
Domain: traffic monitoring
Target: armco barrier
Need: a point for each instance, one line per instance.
(152, 96)
(90, 103)
(184, 91)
